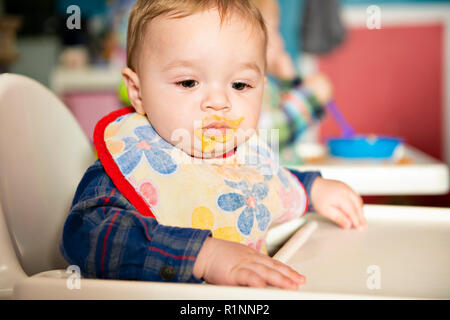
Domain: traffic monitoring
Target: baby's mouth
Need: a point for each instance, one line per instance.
(216, 129)
(217, 121)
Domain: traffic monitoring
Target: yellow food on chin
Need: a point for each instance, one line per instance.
(224, 138)
(209, 141)
(207, 144)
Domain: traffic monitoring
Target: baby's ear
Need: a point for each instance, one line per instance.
(133, 89)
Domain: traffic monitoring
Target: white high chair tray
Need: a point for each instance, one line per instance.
(409, 247)
(404, 252)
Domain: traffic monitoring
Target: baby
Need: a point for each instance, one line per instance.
(185, 190)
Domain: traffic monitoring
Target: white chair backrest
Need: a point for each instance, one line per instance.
(43, 155)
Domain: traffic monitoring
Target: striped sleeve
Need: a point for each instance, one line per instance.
(307, 179)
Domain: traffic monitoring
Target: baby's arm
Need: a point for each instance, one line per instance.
(107, 238)
(307, 179)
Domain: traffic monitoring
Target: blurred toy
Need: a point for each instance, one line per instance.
(123, 94)
(118, 11)
(290, 104)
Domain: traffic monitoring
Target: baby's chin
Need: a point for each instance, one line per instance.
(216, 152)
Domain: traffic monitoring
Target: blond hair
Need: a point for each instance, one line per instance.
(146, 10)
(265, 6)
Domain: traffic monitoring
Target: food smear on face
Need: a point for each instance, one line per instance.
(216, 129)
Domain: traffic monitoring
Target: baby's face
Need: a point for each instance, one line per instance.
(201, 84)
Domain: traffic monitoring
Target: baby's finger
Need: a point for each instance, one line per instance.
(358, 203)
(349, 210)
(250, 278)
(284, 269)
(273, 277)
(339, 217)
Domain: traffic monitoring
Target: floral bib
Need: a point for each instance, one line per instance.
(237, 197)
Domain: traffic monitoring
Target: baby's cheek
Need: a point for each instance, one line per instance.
(182, 138)
(250, 122)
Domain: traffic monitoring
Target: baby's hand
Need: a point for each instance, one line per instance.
(230, 263)
(321, 86)
(338, 202)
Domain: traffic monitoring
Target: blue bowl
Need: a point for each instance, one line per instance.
(361, 146)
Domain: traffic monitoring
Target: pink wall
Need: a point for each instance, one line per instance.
(390, 81)
(89, 107)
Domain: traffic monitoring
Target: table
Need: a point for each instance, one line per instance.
(412, 172)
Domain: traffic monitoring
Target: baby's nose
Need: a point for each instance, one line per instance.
(216, 99)
(218, 106)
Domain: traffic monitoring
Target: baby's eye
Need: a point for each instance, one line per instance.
(240, 85)
(187, 83)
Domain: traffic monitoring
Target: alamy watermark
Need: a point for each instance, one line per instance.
(373, 20)
(74, 20)
(74, 279)
(373, 282)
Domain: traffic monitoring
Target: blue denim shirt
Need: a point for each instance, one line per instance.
(107, 237)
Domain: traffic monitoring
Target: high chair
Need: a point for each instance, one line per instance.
(44, 154)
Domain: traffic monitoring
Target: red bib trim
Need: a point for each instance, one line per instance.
(110, 165)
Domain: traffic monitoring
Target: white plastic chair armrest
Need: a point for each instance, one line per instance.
(10, 269)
